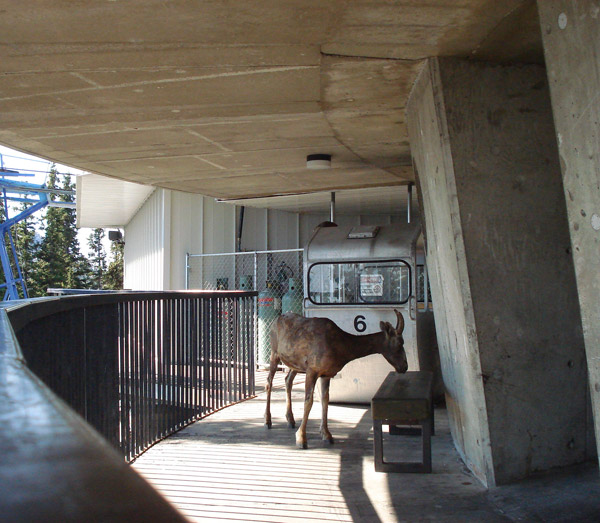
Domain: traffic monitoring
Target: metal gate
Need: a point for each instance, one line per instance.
(276, 275)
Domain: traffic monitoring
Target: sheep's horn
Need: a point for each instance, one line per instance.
(400, 324)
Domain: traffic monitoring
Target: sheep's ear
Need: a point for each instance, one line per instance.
(387, 328)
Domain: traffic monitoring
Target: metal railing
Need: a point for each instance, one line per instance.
(140, 366)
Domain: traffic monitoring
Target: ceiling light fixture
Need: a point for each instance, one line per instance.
(318, 161)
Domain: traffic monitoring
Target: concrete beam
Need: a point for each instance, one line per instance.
(503, 282)
(571, 46)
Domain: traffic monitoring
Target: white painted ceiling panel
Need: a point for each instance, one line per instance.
(108, 202)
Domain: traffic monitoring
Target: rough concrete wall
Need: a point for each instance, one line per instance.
(520, 267)
(572, 48)
(449, 283)
(497, 241)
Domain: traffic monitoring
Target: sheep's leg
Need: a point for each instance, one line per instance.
(309, 388)
(289, 381)
(274, 363)
(325, 434)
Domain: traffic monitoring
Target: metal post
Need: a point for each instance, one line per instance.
(409, 206)
(332, 208)
(257, 356)
(425, 286)
(187, 271)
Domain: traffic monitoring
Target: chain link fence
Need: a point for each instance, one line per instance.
(276, 275)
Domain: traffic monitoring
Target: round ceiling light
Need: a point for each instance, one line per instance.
(318, 161)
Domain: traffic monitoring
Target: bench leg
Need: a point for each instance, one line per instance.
(382, 466)
(378, 445)
(427, 428)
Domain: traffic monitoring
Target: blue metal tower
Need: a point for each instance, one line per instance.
(15, 190)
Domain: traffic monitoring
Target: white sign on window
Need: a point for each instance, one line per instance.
(371, 285)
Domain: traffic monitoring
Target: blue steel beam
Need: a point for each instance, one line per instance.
(10, 188)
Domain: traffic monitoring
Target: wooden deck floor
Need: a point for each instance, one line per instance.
(228, 467)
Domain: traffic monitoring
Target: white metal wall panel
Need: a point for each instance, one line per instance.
(185, 232)
(218, 227)
(283, 230)
(144, 246)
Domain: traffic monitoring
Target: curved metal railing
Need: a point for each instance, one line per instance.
(140, 366)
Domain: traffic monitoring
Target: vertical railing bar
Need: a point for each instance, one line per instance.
(188, 359)
(122, 384)
(213, 355)
(174, 375)
(152, 398)
(220, 357)
(242, 343)
(193, 355)
(179, 346)
(132, 391)
(192, 358)
(252, 352)
(198, 363)
(172, 389)
(143, 377)
(141, 374)
(161, 366)
(147, 358)
(135, 359)
(246, 348)
(234, 349)
(226, 349)
(130, 381)
(211, 334)
(128, 376)
(165, 371)
(166, 359)
(206, 354)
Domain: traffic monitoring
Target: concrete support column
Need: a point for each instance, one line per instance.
(572, 48)
(503, 283)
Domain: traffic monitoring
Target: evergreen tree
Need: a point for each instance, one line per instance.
(97, 258)
(27, 247)
(113, 278)
(60, 261)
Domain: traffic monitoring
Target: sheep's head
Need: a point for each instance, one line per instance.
(393, 349)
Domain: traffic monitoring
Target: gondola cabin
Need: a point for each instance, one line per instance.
(357, 276)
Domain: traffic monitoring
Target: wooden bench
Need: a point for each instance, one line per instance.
(404, 400)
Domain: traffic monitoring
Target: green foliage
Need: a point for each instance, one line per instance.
(97, 258)
(61, 263)
(113, 278)
(27, 247)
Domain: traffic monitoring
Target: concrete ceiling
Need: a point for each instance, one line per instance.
(227, 98)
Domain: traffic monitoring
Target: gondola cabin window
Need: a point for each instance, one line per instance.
(359, 283)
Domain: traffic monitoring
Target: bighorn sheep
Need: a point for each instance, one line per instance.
(319, 348)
